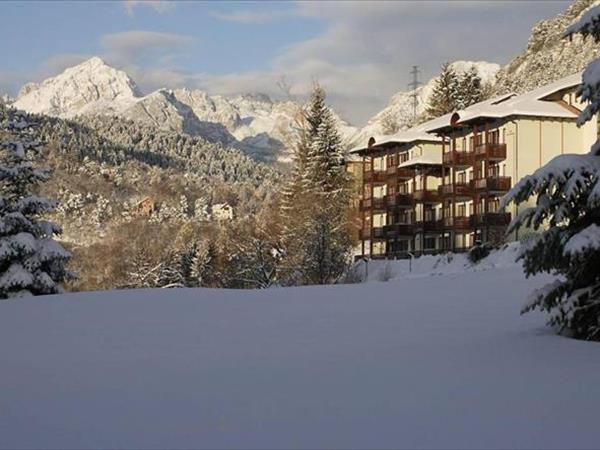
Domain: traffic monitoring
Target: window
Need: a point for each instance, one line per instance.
(391, 161)
(401, 246)
(461, 210)
(429, 214)
(494, 205)
(494, 137)
(493, 170)
(429, 243)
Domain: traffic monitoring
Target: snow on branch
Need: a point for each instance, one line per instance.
(589, 23)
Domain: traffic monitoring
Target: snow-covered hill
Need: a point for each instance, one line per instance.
(253, 122)
(400, 107)
(549, 56)
(439, 361)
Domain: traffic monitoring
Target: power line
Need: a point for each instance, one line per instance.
(413, 85)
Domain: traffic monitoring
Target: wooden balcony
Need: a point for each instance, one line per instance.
(427, 196)
(490, 219)
(399, 229)
(375, 176)
(430, 226)
(493, 184)
(458, 223)
(366, 203)
(365, 233)
(378, 233)
(379, 203)
(459, 189)
(491, 151)
(405, 174)
(399, 201)
(458, 158)
(401, 173)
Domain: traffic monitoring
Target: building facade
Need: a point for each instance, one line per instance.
(438, 187)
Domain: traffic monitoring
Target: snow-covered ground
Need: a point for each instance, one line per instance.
(434, 265)
(419, 361)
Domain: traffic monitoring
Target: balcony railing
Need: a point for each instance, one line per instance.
(458, 158)
(365, 233)
(457, 223)
(379, 203)
(460, 189)
(400, 172)
(378, 232)
(430, 225)
(491, 151)
(375, 176)
(427, 196)
(492, 219)
(366, 203)
(404, 173)
(399, 229)
(398, 200)
(493, 183)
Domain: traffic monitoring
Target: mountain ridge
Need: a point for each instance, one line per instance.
(253, 123)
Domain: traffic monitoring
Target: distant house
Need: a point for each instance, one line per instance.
(145, 207)
(222, 211)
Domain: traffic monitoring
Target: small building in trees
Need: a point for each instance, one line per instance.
(222, 211)
(145, 207)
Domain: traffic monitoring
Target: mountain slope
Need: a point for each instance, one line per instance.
(253, 123)
(548, 56)
(84, 89)
(400, 107)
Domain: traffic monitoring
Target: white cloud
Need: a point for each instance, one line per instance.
(160, 6)
(365, 52)
(362, 56)
(250, 17)
(127, 46)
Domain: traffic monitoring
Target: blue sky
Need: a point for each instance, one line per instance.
(361, 52)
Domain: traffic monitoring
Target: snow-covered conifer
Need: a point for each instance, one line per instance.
(201, 209)
(443, 99)
(319, 213)
(31, 261)
(567, 207)
(471, 89)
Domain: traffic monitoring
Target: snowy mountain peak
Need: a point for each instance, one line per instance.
(79, 89)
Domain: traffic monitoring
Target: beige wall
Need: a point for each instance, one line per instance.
(533, 142)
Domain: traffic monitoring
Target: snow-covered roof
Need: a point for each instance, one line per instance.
(415, 134)
(435, 159)
(533, 103)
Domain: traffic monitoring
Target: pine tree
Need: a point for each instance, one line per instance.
(567, 209)
(31, 262)
(471, 89)
(443, 99)
(319, 213)
(203, 271)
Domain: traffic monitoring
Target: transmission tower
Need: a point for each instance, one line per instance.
(413, 85)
